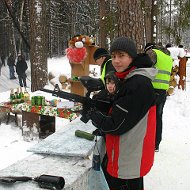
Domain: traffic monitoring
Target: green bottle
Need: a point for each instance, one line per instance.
(33, 102)
(12, 95)
(21, 95)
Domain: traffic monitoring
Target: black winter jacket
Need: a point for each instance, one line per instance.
(11, 61)
(134, 99)
(21, 67)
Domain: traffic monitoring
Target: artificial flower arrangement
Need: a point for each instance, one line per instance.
(77, 52)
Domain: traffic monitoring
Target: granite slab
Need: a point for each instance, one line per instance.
(65, 143)
(74, 170)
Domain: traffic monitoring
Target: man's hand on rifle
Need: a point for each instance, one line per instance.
(89, 112)
(88, 108)
(95, 116)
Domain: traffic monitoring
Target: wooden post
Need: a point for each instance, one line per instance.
(45, 123)
(82, 69)
(182, 73)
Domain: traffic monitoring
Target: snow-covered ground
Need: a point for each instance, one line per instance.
(172, 163)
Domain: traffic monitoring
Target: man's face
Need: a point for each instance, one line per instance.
(100, 60)
(121, 60)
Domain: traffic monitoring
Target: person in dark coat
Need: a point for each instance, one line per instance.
(11, 64)
(21, 67)
(107, 94)
(3, 60)
(163, 63)
(1, 64)
(103, 59)
(130, 127)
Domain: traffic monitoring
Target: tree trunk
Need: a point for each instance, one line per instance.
(11, 33)
(148, 20)
(21, 24)
(130, 22)
(38, 38)
(102, 24)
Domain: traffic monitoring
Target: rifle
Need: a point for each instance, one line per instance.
(44, 181)
(91, 84)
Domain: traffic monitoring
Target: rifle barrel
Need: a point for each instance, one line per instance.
(66, 95)
(101, 105)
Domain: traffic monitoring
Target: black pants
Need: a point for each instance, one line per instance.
(160, 102)
(124, 184)
(22, 80)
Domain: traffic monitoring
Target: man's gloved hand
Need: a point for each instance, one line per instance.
(97, 119)
(87, 109)
(86, 115)
(98, 132)
(90, 112)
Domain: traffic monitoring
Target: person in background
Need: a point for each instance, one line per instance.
(162, 48)
(103, 59)
(21, 67)
(107, 94)
(3, 59)
(130, 126)
(111, 86)
(175, 53)
(163, 62)
(1, 64)
(11, 65)
(111, 83)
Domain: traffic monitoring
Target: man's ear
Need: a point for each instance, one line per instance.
(103, 58)
(152, 56)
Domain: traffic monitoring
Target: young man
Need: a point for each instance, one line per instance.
(131, 124)
(103, 59)
(163, 62)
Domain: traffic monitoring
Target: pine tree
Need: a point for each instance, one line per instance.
(130, 22)
(38, 45)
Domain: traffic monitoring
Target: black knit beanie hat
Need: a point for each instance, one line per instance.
(100, 52)
(168, 45)
(124, 44)
(149, 45)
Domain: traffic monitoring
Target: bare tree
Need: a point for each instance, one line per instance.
(148, 19)
(38, 46)
(10, 27)
(102, 24)
(21, 24)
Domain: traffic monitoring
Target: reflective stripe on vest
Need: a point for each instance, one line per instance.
(104, 71)
(164, 66)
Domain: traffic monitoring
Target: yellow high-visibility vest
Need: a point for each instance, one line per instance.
(164, 66)
(104, 71)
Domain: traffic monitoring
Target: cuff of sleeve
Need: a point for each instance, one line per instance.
(97, 119)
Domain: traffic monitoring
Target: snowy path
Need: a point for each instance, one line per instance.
(6, 84)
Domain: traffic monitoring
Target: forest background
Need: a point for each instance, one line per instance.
(41, 29)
